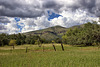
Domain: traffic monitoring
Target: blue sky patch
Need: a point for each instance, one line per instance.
(17, 19)
(52, 15)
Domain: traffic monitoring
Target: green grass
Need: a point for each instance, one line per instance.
(35, 57)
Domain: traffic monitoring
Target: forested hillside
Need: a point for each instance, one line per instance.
(49, 33)
(87, 35)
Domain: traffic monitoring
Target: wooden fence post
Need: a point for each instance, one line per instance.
(54, 47)
(13, 46)
(26, 49)
(98, 47)
(62, 47)
(43, 48)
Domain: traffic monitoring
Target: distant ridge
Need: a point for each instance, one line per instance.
(50, 33)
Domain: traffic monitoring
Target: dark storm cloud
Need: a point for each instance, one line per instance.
(98, 14)
(88, 3)
(4, 20)
(91, 6)
(10, 4)
(15, 8)
(20, 8)
(20, 12)
(52, 4)
(49, 4)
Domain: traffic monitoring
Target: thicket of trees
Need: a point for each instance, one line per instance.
(21, 39)
(87, 35)
(4, 39)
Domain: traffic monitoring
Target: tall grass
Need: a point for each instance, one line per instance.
(35, 57)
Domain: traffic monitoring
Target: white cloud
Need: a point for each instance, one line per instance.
(31, 24)
(9, 28)
(70, 18)
(12, 28)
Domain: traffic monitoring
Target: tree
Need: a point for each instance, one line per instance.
(12, 43)
(86, 35)
(38, 42)
(22, 42)
(58, 40)
(18, 42)
(28, 40)
(32, 41)
(4, 39)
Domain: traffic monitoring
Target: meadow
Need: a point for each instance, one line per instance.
(72, 56)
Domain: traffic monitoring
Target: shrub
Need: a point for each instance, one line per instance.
(12, 43)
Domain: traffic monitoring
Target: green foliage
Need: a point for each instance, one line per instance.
(4, 40)
(58, 40)
(20, 39)
(87, 35)
(12, 42)
(22, 42)
(37, 42)
(32, 41)
(18, 42)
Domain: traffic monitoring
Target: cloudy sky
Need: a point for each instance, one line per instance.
(19, 16)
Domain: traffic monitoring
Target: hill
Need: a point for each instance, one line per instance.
(50, 33)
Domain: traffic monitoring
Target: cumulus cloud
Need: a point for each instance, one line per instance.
(70, 18)
(33, 14)
(10, 27)
(92, 6)
(2, 27)
(31, 24)
(4, 19)
(36, 8)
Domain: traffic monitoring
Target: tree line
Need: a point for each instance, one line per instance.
(87, 35)
(21, 39)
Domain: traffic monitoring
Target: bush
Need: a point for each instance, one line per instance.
(94, 44)
(12, 43)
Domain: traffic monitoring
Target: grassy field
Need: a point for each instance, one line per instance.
(35, 57)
